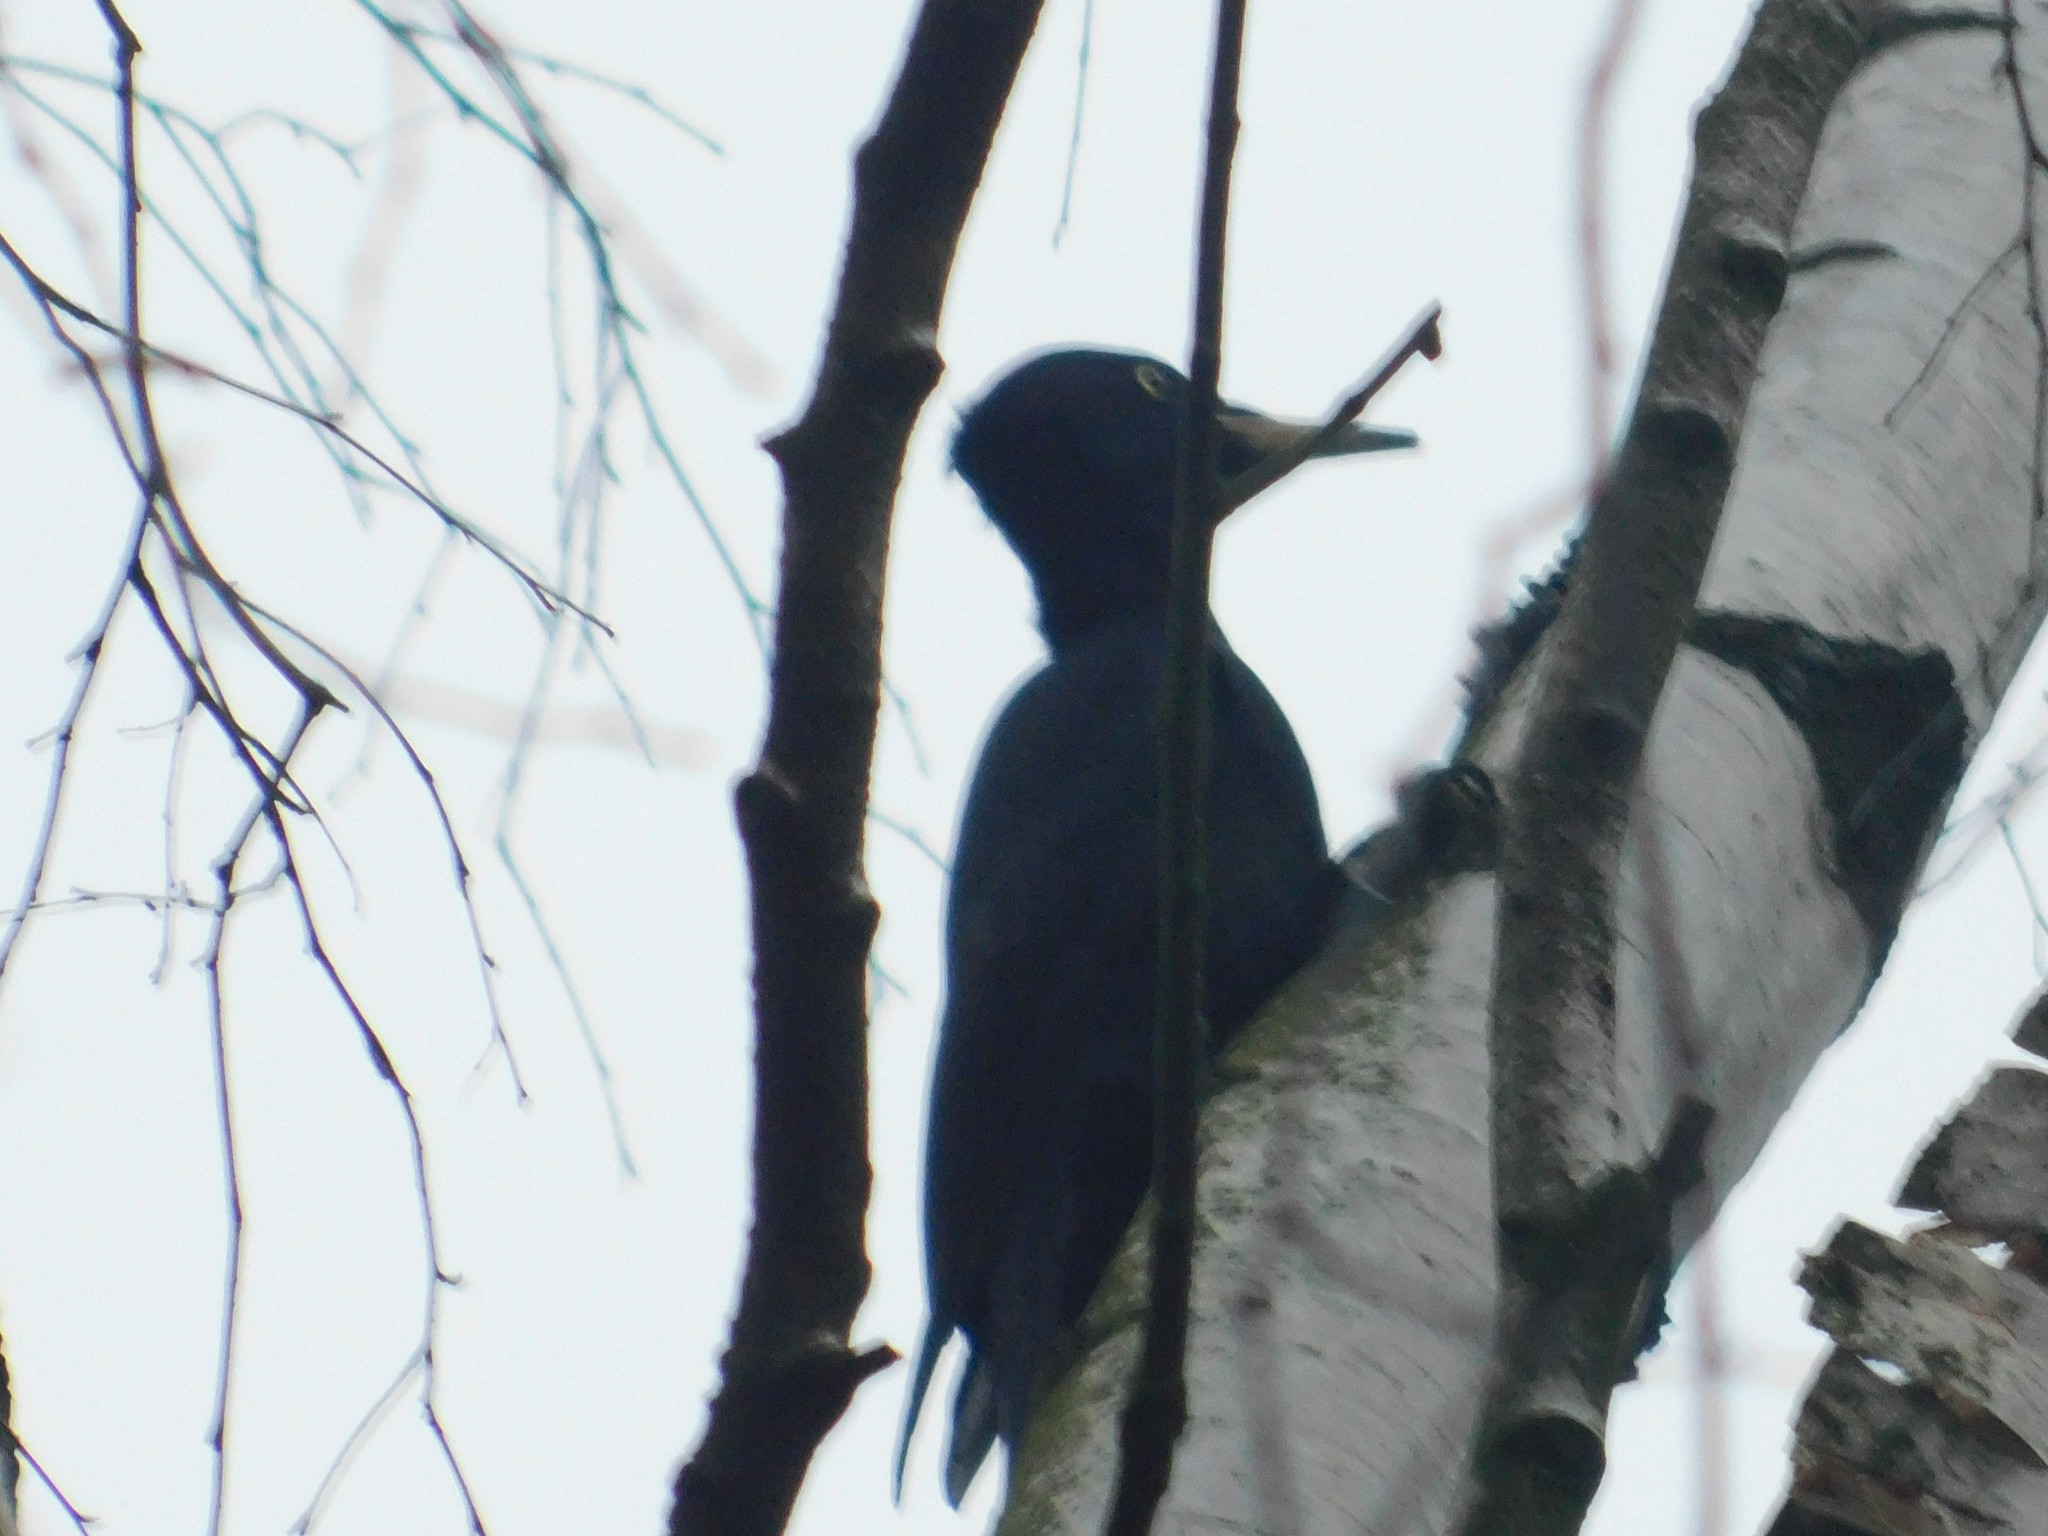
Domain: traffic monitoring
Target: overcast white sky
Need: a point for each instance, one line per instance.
(1391, 154)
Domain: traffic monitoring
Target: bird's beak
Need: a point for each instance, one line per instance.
(1259, 451)
(1261, 437)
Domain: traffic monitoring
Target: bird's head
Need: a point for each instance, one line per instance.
(1072, 454)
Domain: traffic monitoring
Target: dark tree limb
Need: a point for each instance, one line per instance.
(1583, 1217)
(789, 1368)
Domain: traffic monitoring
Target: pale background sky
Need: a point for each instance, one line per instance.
(1391, 154)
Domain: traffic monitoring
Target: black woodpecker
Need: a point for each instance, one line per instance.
(1039, 1144)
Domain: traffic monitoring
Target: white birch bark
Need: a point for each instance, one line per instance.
(1886, 493)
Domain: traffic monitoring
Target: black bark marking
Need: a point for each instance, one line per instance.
(1828, 253)
(1886, 730)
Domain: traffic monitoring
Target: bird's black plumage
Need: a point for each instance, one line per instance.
(1039, 1144)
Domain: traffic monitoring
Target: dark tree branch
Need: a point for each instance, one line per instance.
(1157, 1410)
(789, 1368)
(1583, 1220)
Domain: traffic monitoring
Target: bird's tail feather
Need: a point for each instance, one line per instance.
(974, 1429)
(935, 1338)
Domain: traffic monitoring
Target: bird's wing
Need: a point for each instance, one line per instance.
(1049, 943)
(1054, 865)
(1038, 1149)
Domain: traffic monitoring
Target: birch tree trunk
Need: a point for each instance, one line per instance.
(1874, 586)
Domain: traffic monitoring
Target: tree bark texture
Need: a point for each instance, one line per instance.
(1583, 1208)
(1874, 583)
(790, 1368)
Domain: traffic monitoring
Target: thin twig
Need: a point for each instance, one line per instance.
(409, 626)
(1952, 328)
(88, 655)
(173, 776)
(487, 966)
(163, 536)
(72, 206)
(1059, 228)
(1424, 337)
(88, 659)
(270, 329)
(1156, 1412)
(225, 897)
(502, 840)
(83, 1521)
(153, 902)
(1592, 188)
(352, 1443)
(437, 1275)
(545, 596)
(2039, 926)
(528, 136)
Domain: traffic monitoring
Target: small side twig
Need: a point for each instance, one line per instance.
(1592, 189)
(1423, 338)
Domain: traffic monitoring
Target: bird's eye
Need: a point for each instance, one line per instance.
(1151, 379)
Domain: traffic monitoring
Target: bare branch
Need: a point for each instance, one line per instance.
(789, 1369)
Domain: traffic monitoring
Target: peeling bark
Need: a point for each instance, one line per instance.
(1873, 1458)
(1931, 1414)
